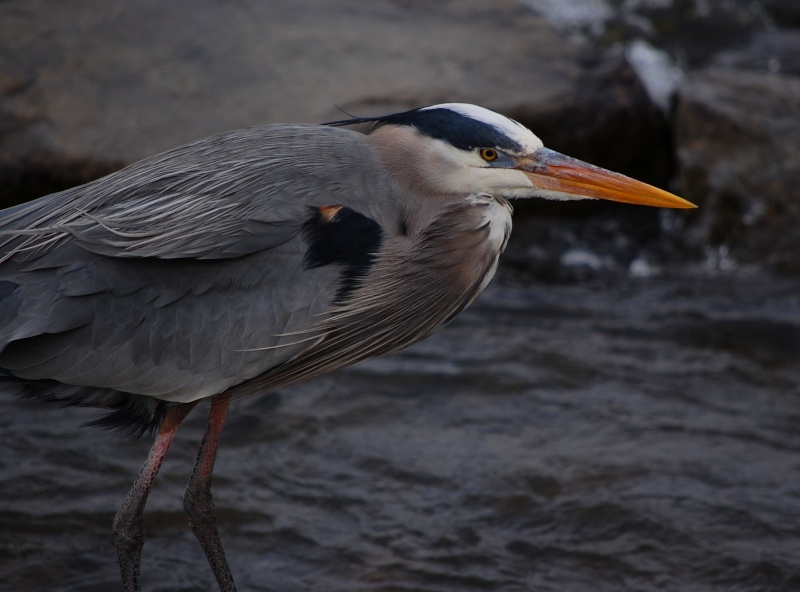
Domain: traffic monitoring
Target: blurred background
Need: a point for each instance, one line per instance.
(619, 411)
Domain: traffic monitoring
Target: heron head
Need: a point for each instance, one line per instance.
(457, 148)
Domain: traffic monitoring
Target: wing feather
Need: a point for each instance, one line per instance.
(182, 275)
(222, 197)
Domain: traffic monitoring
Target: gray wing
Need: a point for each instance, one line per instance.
(184, 274)
(221, 197)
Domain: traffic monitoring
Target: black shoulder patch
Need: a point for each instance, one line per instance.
(337, 234)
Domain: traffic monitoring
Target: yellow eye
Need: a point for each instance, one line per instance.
(488, 154)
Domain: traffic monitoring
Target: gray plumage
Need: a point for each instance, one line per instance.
(258, 258)
(181, 276)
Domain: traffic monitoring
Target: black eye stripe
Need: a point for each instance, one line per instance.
(450, 126)
(459, 130)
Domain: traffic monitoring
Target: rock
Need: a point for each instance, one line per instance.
(738, 143)
(89, 86)
(772, 50)
(607, 119)
(785, 13)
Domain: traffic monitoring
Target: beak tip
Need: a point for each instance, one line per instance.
(684, 204)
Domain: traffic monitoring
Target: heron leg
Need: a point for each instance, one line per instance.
(198, 501)
(128, 523)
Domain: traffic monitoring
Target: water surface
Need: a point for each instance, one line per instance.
(610, 434)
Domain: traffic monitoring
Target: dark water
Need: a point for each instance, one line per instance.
(613, 434)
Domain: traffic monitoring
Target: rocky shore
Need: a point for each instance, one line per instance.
(705, 101)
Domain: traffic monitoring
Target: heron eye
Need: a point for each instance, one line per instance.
(488, 154)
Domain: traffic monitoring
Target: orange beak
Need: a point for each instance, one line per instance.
(564, 176)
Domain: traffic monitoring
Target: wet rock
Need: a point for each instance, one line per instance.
(607, 119)
(771, 50)
(785, 13)
(89, 86)
(738, 143)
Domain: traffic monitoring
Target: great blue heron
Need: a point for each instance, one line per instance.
(259, 258)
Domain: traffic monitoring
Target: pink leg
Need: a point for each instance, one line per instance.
(128, 523)
(198, 501)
